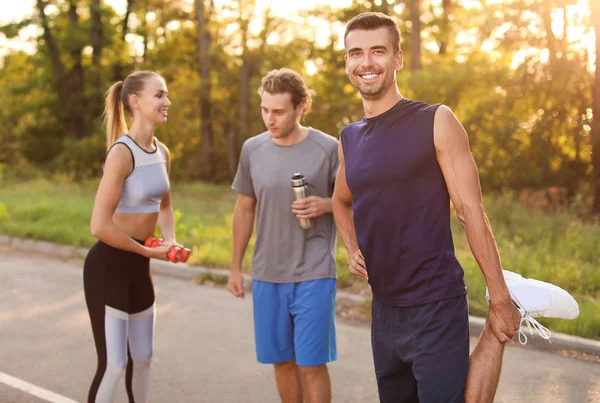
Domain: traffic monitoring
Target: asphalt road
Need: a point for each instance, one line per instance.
(204, 346)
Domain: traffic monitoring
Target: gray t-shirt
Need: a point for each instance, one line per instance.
(283, 252)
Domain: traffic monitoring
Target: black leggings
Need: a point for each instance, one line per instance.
(120, 299)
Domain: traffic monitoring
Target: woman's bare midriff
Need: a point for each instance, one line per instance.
(138, 226)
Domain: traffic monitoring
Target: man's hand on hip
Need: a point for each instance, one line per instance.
(358, 266)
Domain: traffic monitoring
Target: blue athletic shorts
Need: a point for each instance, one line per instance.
(295, 321)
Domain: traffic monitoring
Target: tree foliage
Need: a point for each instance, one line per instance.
(512, 71)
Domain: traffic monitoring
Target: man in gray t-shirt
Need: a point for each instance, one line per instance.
(293, 270)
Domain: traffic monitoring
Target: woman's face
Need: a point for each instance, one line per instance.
(152, 102)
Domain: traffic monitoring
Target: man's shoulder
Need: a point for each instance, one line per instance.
(407, 110)
(353, 127)
(419, 109)
(255, 142)
(325, 140)
(424, 106)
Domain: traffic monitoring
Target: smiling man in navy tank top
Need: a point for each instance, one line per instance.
(400, 167)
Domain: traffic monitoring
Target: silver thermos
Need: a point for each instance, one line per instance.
(300, 191)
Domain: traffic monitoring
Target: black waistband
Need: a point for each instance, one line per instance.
(120, 252)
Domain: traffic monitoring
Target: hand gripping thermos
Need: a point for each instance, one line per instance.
(300, 191)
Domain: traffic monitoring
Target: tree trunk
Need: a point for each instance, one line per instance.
(385, 9)
(553, 45)
(415, 35)
(232, 151)
(125, 23)
(70, 84)
(245, 74)
(564, 41)
(145, 29)
(57, 64)
(97, 31)
(595, 134)
(118, 67)
(162, 19)
(206, 133)
(268, 27)
(245, 91)
(77, 104)
(445, 26)
(97, 40)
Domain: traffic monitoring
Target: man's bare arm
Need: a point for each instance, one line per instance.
(462, 179)
(243, 224)
(341, 203)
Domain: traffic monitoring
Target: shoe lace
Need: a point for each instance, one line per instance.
(528, 318)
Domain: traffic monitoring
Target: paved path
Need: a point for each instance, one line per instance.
(204, 347)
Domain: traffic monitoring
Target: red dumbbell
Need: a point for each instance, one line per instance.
(175, 254)
(153, 242)
(178, 254)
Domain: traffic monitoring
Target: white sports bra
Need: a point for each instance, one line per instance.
(145, 187)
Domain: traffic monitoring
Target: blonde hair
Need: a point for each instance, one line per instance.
(117, 103)
(286, 80)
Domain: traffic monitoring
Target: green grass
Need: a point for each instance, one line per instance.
(558, 248)
(217, 279)
(45, 211)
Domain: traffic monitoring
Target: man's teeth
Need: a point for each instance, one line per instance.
(369, 76)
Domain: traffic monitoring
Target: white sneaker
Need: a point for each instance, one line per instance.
(536, 299)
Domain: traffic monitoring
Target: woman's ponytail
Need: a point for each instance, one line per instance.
(114, 114)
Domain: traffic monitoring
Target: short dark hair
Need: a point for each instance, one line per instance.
(370, 21)
(286, 80)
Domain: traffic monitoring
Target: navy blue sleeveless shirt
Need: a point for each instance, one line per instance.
(401, 206)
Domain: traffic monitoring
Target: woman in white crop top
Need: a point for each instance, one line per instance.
(132, 198)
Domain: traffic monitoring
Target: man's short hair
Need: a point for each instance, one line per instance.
(286, 80)
(370, 21)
